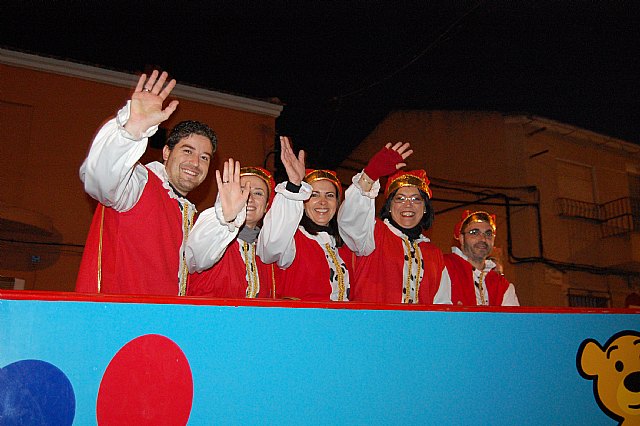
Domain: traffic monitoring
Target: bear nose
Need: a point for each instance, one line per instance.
(632, 382)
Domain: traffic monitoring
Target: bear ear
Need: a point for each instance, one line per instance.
(590, 358)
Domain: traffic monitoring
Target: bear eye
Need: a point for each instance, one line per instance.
(619, 366)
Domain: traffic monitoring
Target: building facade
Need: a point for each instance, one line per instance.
(567, 199)
(49, 112)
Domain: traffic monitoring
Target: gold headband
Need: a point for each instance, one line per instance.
(254, 171)
(324, 175)
(408, 180)
(479, 216)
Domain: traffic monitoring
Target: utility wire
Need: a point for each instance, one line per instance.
(40, 243)
(415, 58)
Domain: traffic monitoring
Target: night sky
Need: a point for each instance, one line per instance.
(340, 67)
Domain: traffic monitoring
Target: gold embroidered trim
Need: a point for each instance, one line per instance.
(481, 287)
(415, 254)
(187, 219)
(250, 265)
(273, 282)
(334, 259)
(100, 248)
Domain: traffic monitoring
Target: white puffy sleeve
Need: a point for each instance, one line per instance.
(510, 298)
(210, 237)
(111, 173)
(279, 226)
(356, 217)
(443, 295)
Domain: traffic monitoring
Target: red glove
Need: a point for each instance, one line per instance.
(383, 163)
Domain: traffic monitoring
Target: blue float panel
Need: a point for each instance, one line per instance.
(268, 362)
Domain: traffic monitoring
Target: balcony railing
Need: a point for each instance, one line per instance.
(621, 216)
(581, 209)
(616, 217)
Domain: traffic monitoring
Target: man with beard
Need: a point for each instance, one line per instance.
(474, 280)
(136, 241)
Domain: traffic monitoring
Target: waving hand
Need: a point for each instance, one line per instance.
(293, 165)
(146, 103)
(233, 196)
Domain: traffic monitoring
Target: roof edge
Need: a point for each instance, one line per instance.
(121, 79)
(564, 129)
(546, 124)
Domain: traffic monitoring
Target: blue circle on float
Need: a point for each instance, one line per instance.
(34, 392)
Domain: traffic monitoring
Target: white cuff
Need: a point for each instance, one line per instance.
(236, 222)
(372, 193)
(123, 116)
(302, 195)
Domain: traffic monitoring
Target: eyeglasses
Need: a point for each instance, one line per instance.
(414, 199)
(488, 234)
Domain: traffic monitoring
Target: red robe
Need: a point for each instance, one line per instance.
(140, 247)
(307, 278)
(378, 276)
(463, 287)
(228, 277)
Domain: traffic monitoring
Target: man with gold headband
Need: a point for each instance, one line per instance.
(396, 262)
(474, 279)
(301, 235)
(221, 249)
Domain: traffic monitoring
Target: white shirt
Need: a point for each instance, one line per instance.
(509, 298)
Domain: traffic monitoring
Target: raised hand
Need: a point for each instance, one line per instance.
(388, 160)
(146, 103)
(233, 196)
(402, 149)
(293, 165)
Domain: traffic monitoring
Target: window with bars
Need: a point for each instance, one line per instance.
(581, 298)
(11, 283)
(634, 195)
(575, 181)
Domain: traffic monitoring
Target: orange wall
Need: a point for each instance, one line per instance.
(491, 153)
(46, 127)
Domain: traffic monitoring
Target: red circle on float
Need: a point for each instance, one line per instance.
(148, 382)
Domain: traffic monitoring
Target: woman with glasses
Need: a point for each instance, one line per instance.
(396, 263)
(300, 233)
(474, 278)
(232, 270)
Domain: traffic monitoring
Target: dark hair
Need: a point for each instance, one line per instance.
(187, 128)
(332, 227)
(313, 228)
(427, 218)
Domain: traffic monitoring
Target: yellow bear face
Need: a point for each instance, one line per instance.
(615, 371)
